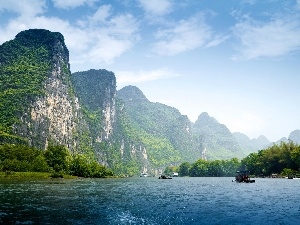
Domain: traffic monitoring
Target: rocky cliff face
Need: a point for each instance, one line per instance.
(53, 116)
(96, 90)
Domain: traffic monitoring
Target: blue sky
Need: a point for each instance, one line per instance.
(238, 60)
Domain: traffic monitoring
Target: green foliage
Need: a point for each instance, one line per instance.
(275, 159)
(94, 88)
(56, 157)
(170, 169)
(11, 139)
(215, 168)
(199, 168)
(184, 169)
(22, 158)
(81, 166)
(24, 175)
(161, 129)
(25, 64)
(288, 172)
(21, 79)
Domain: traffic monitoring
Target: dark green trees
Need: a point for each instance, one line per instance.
(83, 167)
(20, 158)
(215, 168)
(274, 159)
(56, 159)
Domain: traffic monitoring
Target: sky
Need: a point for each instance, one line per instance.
(237, 60)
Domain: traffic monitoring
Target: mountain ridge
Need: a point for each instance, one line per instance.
(43, 103)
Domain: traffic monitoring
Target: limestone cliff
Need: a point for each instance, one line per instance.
(42, 103)
(96, 90)
(53, 116)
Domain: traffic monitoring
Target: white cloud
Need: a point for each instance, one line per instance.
(186, 35)
(298, 5)
(95, 40)
(274, 38)
(156, 7)
(66, 4)
(23, 7)
(134, 77)
(250, 2)
(101, 15)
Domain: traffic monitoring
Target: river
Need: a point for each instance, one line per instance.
(150, 201)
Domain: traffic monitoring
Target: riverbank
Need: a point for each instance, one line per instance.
(30, 175)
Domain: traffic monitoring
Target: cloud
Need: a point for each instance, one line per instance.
(100, 38)
(66, 4)
(156, 7)
(298, 5)
(276, 37)
(134, 77)
(186, 35)
(23, 7)
(106, 36)
(250, 2)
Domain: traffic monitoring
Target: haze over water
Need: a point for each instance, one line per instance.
(150, 201)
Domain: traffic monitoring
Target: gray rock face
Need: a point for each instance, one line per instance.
(55, 116)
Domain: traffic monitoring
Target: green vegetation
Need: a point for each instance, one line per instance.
(203, 168)
(25, 63)
(94, 88)
(55, 162)
(161, 129)
(24, 175)
(282, 159)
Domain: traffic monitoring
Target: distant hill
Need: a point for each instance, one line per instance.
(216, 139)
(295, 136)
(162, 123)
(251, 145)
(255, 144)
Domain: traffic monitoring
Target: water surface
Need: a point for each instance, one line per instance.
(150, 201)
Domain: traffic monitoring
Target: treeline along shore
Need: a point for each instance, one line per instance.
(22, 161)
(281, 159)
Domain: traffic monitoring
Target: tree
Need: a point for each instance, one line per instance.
(252, 163)
(215, 169)
(79, 166)
(295, 155)
(199, 168)
(170, 169)
(184, 169)
(56, 157)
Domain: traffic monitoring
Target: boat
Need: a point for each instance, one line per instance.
(243, 177)
(164, 177)
(174, 174)
(144, 175)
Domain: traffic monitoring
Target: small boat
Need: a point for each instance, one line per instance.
(174, 174)
(144, 175)
(164, 177)
(243, 177)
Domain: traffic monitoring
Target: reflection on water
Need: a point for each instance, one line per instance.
(150, 201)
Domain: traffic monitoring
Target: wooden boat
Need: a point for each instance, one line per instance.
(243, 177)
(164, 177)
